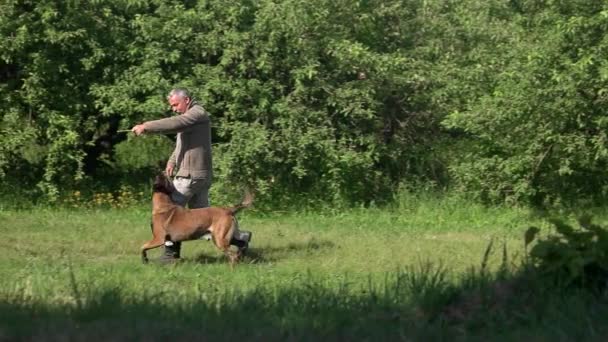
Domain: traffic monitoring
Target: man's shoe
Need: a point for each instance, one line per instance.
(241, 239)
(172, 253)
(246, 247)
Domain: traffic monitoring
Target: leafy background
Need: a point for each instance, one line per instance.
(339, 102)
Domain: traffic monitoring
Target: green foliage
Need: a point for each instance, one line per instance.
(538, 116)
(572, 256)
(55, 52)
(143, 152)
(338, 101)
(315, 97)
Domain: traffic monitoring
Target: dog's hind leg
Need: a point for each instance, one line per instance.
(223, 243)
(223, 231)
(233, 256)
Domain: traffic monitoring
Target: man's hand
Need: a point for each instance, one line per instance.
(169, 170)
(138, 129)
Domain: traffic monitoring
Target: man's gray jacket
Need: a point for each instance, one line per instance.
(192, 154)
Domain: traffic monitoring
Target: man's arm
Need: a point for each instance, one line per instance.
(174, 124)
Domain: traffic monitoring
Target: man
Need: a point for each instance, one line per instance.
(191, 159)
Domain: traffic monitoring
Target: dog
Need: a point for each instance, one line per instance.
(171, 222)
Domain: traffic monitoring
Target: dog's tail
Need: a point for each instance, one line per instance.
(245, 203)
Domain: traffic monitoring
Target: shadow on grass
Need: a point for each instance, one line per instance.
(253, 256)
(308, 311)
(415, 304)
(264, 255)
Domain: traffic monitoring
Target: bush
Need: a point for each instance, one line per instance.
(571, 256)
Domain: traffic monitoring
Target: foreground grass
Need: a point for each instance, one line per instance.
(362, 274)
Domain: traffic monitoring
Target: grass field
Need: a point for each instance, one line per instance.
(412, 272)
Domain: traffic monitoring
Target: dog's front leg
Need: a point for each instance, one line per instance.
(154, 243)
(144, 256)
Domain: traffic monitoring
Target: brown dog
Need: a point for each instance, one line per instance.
(171, 222)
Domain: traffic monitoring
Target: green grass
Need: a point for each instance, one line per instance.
(406, 273)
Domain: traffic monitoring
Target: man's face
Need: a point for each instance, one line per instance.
(179, 104)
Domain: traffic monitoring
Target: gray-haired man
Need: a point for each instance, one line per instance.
(191, 159)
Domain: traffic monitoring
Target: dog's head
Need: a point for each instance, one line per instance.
(163, 184)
